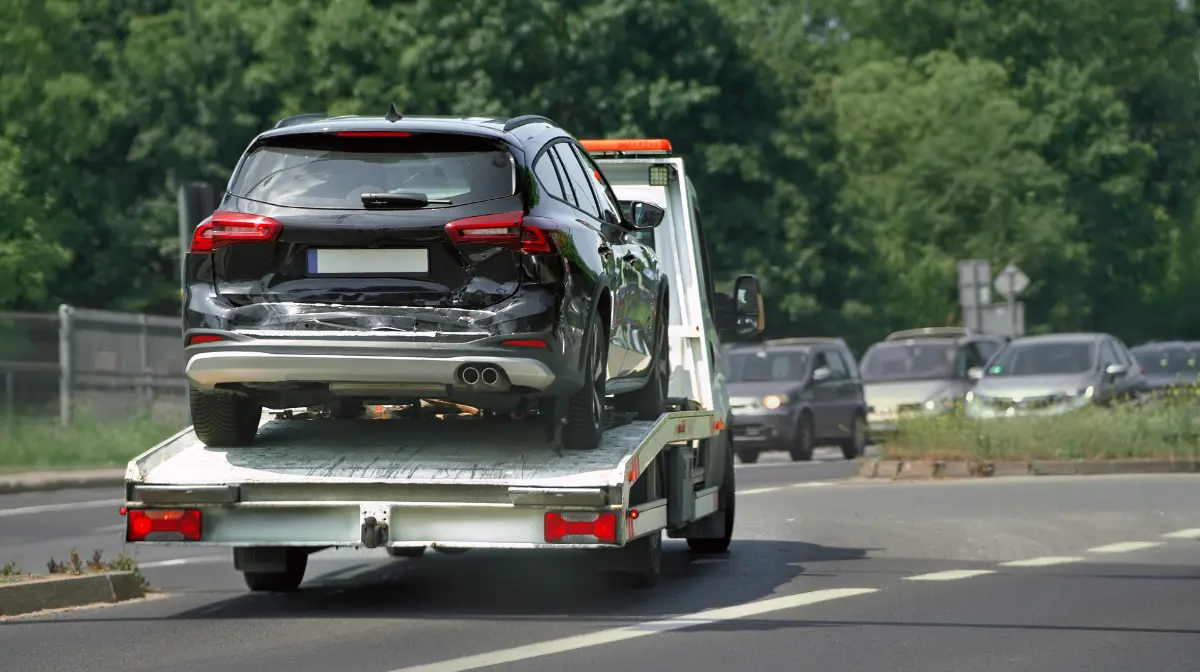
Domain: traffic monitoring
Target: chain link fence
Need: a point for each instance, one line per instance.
(104, 364)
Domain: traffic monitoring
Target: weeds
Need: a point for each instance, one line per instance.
(75, 566)
(10, 569)
(89, 441)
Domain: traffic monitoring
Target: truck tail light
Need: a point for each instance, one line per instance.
(204, 338)
(226, 228)
(163, 525)
(505, 229)
(585, 527)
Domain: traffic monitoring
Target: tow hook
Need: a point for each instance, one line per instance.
(374, 533)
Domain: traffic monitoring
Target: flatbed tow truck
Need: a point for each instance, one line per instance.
(422, 478)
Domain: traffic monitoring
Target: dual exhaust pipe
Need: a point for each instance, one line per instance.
(485, 375)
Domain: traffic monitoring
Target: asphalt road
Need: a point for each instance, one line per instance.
(823, 575)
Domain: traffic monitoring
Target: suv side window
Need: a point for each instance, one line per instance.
(547, 176)
(578, 179)
(710, 291)
(1123, 354)
(987, 349)
(610, 211)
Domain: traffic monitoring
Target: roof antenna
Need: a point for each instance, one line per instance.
(393, 114)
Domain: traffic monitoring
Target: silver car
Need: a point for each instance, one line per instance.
(920, 372)
(1054, 374)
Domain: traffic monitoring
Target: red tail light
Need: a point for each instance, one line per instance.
(505, 229)
(602, 527)
(163, 525)
(227, 228)
(204, 338)
(526, 343)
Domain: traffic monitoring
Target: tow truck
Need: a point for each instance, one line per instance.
(423, 477)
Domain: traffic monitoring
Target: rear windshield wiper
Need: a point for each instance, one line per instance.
(411, 199)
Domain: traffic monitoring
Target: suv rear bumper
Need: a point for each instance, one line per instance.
(376, 361)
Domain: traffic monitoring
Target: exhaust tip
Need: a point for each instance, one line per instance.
(470, 375)
(490, 376)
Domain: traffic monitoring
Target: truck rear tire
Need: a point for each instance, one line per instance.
(726, 500)
(280, 582)
(585, 408)
(224, 420)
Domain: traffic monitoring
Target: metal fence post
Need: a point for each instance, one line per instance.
(66, 370)
(10, 391)
(144, 352)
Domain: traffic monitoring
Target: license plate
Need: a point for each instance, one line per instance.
(362, 262)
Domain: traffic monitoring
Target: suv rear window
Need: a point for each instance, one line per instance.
(327, 171)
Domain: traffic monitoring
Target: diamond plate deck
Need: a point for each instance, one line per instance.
(393, 451)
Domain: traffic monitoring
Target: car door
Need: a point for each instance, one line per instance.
(1132, 381)
(639, 273)
(584, 199)
(824, 396)
(846, 401)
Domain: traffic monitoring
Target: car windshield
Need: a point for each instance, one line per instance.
(1170, 361)
(761, 366)
(909, 360)
(318, 171)
(1043, 359)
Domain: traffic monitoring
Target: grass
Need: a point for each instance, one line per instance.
(1166, 428)
(75, 565)
(37, 444)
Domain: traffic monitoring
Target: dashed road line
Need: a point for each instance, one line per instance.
(759, 491)
(1046, 561)
(1125, 547)
(1192, 533)
(950, 575)
(636, 630)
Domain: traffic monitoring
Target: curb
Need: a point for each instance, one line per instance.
(68, 591)
(923, 470)
(40, 481)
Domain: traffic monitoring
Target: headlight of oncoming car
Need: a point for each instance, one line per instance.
(774, 401)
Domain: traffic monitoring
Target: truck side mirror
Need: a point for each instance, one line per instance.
(741, 316)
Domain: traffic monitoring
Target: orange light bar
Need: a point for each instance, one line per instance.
(656, 145)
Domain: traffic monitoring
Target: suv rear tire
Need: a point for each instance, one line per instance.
(224, 420)
(585, 408)
(802, 448)
(856, 445)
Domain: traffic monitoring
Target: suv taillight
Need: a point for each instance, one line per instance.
(505, 229)
(227, 228)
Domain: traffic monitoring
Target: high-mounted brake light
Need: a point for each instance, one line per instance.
(628, 146)
(373, 134)
(601, 527)
(505, 229)
(163, 525)
(227, 228)
(204, 338)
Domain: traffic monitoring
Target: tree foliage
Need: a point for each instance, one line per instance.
(848, 152)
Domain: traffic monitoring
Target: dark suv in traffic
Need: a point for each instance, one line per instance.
(795, 394)
(389, 259)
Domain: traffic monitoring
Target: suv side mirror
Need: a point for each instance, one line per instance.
(822, 373)
(641, 215)
(742, 316)
(1115, 370)
(975, 372)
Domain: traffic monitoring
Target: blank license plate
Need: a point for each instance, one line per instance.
(355, 262)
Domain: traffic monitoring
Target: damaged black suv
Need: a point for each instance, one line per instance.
(480, 261)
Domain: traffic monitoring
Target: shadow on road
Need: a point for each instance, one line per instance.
(519, 585)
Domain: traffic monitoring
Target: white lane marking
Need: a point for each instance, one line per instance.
(1046, 561)
(176, 562)
(950, 575)
(812, 484)
(1125, 547)
(643, 629)
(112, 528)
(757, 491)
(70, 506)
(1193, 533)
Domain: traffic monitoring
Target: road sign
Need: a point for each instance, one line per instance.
(1005, 320)
(1011, 282)
(973, 291)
